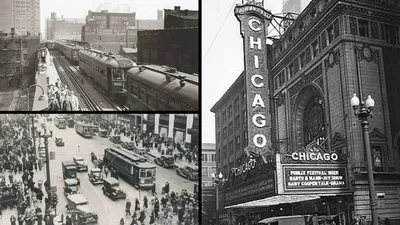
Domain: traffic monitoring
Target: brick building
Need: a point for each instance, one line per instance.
(63, 28)
(176, 48)
(129, 53)
(332, 50)
(177, 18)
(17, 60)
(110, 31)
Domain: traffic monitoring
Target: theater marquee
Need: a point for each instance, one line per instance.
(254, 20)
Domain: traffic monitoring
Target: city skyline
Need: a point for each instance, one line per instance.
(223, 58)
(143, 9)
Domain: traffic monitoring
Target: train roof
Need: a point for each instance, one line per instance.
(77, 198)
(110, 60)
(68, 45)
(131, 157)
(157, 79)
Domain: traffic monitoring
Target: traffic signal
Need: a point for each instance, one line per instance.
(54, 199)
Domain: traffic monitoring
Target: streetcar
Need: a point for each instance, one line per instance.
(132, 167)
(60, 122)
(85, 130)
(108, 71)
(70, 122)
(158, 88)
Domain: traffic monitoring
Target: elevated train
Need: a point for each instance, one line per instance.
(107, 70)
(68, 50)
(155, 88)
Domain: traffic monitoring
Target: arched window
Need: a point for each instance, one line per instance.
(314, 121)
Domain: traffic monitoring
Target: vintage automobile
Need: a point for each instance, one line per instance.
(80, 163)
(103, 134)
(188, 172)
(95, 129)
(59, 142)
(112, 190)
(79, 207)
(95, 176)
(128, 145)
(116, 139)
(70, 187)
(166, 161)
(140, 150)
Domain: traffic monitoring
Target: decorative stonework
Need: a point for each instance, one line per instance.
(377, 136)
(306, 78)
(337, 141)
(366, 53)
(254, 2)
(279, 99)
(384, 3)
(333, 59)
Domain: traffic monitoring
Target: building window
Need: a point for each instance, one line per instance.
(237, 122)
(323, 40)
(374, 30)
(392, 34)
(245, 140)
(363, 28)
(237, 143)
(330, 34)
(231, 147)
(25, 56)
(230, 113)
(18, 70)
(237, 106)
(291, 70)
(353, 26)
(315, 49)
(281, 78)
(336, 28)
(225, 151)
(302, 59)
(213, 158)
(99, 38)
(230, 128)
(223, 117)
(377, 158)
(224, 133)
(218, 136)
(24, 44)
(313, 120)
(5, 45)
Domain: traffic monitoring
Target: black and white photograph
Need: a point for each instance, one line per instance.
(96, 55)
(301, 125)
(99, 169)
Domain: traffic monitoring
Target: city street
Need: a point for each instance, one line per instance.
(109, 211)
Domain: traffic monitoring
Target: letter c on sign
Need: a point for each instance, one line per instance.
(263, 140)
(251, 22)
(253, 80)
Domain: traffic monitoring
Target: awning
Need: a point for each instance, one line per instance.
(275, 200)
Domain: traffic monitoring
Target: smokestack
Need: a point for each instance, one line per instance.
(53, 15)
(177, 8)
(12, 32)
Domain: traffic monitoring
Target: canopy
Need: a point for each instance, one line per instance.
(275, 200)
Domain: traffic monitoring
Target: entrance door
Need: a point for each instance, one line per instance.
(179, 137)
(164, 132)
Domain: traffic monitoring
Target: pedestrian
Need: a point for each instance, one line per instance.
(122, 222)
(145, 203)
(154, 189)
(128, 207)
(106, 171)
(137, 205)
(387, 222)
(13, 220)
(152, 219)
(363, 221)
(142, 217)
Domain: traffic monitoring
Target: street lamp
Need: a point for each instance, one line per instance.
(218, 180)
(46, 136)
(362, 112)
(41, 98)
(32, 116)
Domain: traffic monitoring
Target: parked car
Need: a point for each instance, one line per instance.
(188, 172)
(112, 190)
(95, 129)
(116, 139)
(95, 176)
(166, 161)
(80, 163)
(130, 145)
(59, 142)
(80, 209)
(103, 134)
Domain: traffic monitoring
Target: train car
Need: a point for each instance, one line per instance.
(157, 88)
(68, 50)
(60, 122)
(108, 71)
(85, 130)
(132, 167)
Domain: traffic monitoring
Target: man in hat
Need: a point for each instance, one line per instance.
(74, 102)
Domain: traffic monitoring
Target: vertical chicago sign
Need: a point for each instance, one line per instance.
(254, 20)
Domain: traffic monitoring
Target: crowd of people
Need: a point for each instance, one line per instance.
(18, 165)
(61, 99)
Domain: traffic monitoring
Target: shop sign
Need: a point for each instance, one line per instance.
(315, 177)
(254, 21)
(245, 167)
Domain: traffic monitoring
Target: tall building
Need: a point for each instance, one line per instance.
(294, 6)
(152, 24)
(110, 31)
(313, 159)
(177, 48)
(23, 15)
(178, 127)
(63, 28)
(177, 18)
(208, 166)
(160, 15)
(17, 60)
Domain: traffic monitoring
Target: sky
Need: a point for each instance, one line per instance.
(145, 9)
(222, 55)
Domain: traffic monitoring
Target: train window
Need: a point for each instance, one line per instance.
(134, 89)
(142, 173)
(117, 75)
(151, 100)
(142, 94)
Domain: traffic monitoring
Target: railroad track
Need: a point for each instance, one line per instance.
(68, 77)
